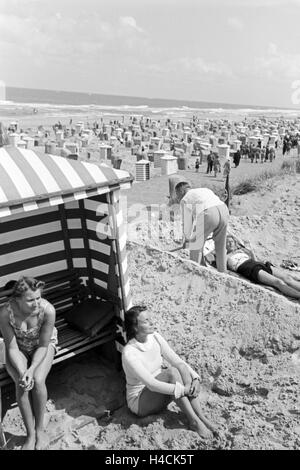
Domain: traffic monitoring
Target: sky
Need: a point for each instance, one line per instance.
(226, 51)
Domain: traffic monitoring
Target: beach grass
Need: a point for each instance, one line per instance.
(254, 183)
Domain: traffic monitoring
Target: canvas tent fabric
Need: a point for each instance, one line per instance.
(57, 215)
(29, 181)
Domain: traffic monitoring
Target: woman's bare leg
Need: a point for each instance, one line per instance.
(290, 279)
(270, 280)
(153, 402)
(185, 405)
(39, 398)
(23, 400)
(195, 402)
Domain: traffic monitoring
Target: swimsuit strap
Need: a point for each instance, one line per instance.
(13, 320)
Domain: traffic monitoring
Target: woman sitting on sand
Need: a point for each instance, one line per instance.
(242, 261)
(150, 387)
(27, 325)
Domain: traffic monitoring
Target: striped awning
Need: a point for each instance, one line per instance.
(29, 181)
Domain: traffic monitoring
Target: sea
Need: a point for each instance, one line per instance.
(26, 102)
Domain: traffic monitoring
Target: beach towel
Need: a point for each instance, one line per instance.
(291, 265)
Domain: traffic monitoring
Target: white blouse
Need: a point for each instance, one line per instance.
(142, 362)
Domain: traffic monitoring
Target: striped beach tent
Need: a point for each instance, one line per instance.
(58, 214)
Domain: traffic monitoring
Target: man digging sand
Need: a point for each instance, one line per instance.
(203, 213)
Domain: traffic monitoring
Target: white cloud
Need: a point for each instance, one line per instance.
(59, 37)
(130, 22)
(194, 68)
(277, 65)
(235, 23)
(272, 49)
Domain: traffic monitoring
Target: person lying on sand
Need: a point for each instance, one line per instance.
(242, 261)
(27, 325)
(150, 387)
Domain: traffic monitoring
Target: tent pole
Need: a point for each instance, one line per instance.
(116, 246)
(65, 231)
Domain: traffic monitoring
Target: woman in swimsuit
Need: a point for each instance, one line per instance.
(242, 261)
(149, 385)
(27, 325)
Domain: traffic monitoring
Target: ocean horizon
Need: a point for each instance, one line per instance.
(61, 97)
(22, 103)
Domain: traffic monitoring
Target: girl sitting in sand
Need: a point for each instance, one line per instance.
(149, 387)
(27, 325)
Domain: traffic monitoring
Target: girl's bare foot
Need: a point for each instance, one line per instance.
(202, 430)
(210, 426)
(42, 440)
(29, 443)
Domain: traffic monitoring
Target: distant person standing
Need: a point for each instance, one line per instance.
(209, 162)
(226, 168)
(257, 154)
(237, 158)
(197, 165)
(216, 164)
(272, 154)
(267, 153)
(251, 153)
(203, 213)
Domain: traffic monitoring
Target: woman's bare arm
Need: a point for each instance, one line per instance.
(15, 356)
(45, 337)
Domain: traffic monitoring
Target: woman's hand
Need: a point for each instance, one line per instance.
(195, 387)
(187, 389)
(26, 382)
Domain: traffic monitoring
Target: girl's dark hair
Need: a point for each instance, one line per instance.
(131, 320)
(24, 284)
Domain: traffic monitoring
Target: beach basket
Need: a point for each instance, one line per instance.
(142, 170)
(182, 163)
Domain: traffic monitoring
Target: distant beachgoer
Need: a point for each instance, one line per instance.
(267, 153)
(149, 385)
(210, 159)
(200, 155)
(203, 213)
(242, 261)
(197, 165)
(263, 154)
(216, 165)
(272, 154)
(237, 158)
(251, 153)
(257, 154)
(27, 323)
(226, 167)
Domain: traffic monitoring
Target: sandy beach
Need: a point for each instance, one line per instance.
(243, 339)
